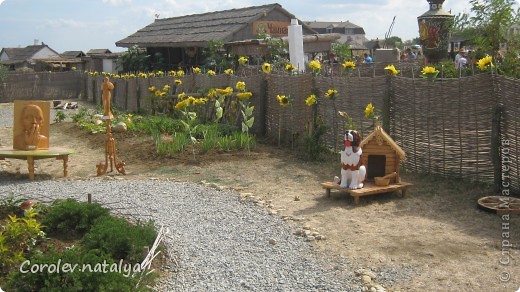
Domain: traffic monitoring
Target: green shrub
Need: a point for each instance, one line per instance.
(116, 237)
(60, 116)
(161, 124)
(85, 277)
(18, 236)
(72, 218)
(313, 145)
(10, 206)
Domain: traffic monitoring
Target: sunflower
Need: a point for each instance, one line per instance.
(349, 65)
(315, 65)
(211, 73)
(369, 111)
(311, 100)
(485, 62)
(228, 71)
(196, 70)
(290, 67)
(244, 95)
(283, 100)
(242, 60)
(241, 85)
(391, 69)
(266, 68)
(331, 93)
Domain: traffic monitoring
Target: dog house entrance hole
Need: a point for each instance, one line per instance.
(376, 166)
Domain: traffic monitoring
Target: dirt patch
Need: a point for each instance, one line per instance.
(436, 232)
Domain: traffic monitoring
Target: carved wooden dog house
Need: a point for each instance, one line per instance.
(381, 154)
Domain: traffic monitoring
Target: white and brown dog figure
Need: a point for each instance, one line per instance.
(353, 170)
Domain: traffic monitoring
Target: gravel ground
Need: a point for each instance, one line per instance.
(219, 241)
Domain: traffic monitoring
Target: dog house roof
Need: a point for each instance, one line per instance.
(381, 136)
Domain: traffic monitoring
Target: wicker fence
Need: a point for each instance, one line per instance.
(42, 86)
(460, 128)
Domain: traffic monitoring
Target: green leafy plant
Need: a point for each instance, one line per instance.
(18, 236)
(60, 117)
(120, 240)
(72, 218)
(10, 206)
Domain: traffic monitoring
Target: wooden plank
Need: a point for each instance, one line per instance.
(369, 189)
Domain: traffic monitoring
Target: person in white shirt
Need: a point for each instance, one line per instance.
(462, 61)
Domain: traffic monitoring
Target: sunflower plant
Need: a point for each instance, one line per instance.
(331, 94)
(246, 109)
(315, 67)
(266, 68)
(243, 60)
(290, 68)
(372, 113)
(485, 63)
(190, 116)
(391, 70)
(429, 72)
(349, 66)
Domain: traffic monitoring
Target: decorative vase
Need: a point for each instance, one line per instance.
(434, 31)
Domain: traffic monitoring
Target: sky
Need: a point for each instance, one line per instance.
(74, 25)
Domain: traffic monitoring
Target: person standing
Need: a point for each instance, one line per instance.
(462, 61)
(368, 58)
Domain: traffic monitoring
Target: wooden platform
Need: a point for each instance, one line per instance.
(32, 155)
(369, 189)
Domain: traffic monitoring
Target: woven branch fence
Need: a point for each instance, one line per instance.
(460, 128)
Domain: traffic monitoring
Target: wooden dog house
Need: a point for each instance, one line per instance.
(381, 154)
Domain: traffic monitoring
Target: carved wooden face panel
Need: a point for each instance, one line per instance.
(31, 116)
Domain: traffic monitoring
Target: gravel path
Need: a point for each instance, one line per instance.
(220, 242)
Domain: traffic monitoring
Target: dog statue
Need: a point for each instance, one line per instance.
(353, 170)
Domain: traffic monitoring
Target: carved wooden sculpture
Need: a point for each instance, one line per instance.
(31, 128)
(110, 143)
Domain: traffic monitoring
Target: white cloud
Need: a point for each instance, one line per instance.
(117, 2)
(61, 23)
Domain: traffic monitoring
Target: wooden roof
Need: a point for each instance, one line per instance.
(380, 136)
(198, 29)
(332, 24)
(22, 54)
(72, 54)
(98, 51)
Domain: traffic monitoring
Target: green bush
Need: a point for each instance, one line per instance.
(160, 124)
(18, 236)
(87, 276)
(116, 237)
(72, 218)
(313, 145)
(10, 206)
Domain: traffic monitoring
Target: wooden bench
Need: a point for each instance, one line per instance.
(32, 155)
(369, 189)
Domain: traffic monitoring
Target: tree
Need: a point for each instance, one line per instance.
(341, 50)
(134, 60)
(490, 19)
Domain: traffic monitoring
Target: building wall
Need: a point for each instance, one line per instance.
(45, 53)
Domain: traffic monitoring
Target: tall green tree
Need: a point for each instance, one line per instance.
(134, 60)
(491, 20)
